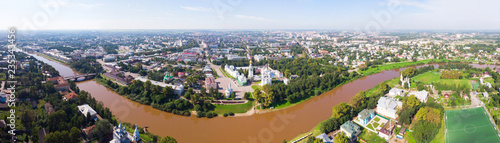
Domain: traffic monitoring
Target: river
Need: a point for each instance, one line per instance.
(266, 127)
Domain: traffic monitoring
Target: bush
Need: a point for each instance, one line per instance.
(225, 114)
(231, 114)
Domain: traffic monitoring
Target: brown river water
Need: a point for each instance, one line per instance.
(263, 128)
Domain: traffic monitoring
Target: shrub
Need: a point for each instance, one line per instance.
(225, 114)
(231, 114)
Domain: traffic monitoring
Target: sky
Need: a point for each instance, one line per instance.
(251, 14)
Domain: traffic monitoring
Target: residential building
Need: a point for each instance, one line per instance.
(70, 96)
(59, 83)
(387, 106)
(395, 92)
(86, 109)
(365, 116)
(210, 83)
(420, 95)
(350, 129)
(325, 138)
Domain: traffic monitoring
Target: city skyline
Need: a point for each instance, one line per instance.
(239, 14)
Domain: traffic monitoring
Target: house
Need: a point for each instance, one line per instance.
(401, 133)
(48, 108)
(387, 106)
(365, 116)
(420, 95)
(395, 92)
(350, 129)
(386, 131)
(485, 94)
(87, 131)
(210, 83)
(59, 83)
(325, 138)
(86, 109)
(70, 96)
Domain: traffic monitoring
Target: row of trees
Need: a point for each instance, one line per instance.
(87, 65)
(451, 74)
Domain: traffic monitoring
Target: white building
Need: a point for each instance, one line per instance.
(387, 106)
(250, 71)
(120, 135)
(395, 92)
(86, 109)
(178, 89)
(228, 91)
(420, 95)
(266, 76)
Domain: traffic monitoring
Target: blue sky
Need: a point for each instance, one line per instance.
(252, 14)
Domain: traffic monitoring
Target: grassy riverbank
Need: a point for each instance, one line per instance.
(49, 57)
(236, 108)
(390, 66)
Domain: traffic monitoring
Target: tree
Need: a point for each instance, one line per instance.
(424, 131)
(287, 73)
(247, 95)
(102, 128)
(168, 139)
(358, 99)
(143, 73)
(340, 110)
(409, 72)
(340, 138)
(74, 135)
(411, 101)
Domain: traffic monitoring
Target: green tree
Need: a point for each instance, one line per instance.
(411, 101)
(358, 99)
(74, 135)
(424, 131)
(101, 129)
(340, 110)
(340, 138)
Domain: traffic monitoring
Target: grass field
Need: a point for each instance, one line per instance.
(43, 55)
(469, 125)
(238, 108)
(371, 137)
(433, 76)
(390, 66)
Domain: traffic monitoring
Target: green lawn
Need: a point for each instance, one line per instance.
(371, 137)
(375, 124)
(376, 119)
(439, 138)
(238, 108)
(370, 126)
(409, 137)
(226, 74)
(433, 77)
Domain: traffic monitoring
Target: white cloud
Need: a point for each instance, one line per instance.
(202, 9)
(88, 6)
(169, 14)
(251, 17)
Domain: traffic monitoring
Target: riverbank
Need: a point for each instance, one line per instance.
(52, 59)
(391, 66)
